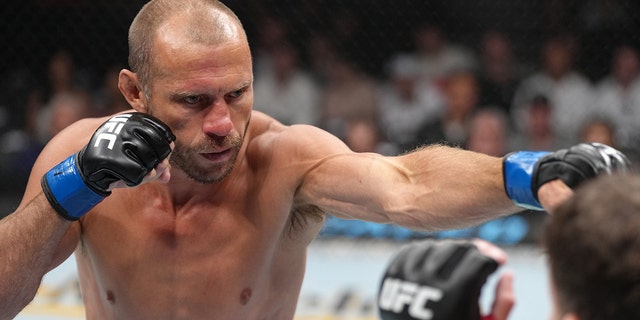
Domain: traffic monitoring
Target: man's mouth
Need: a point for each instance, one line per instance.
(219, 156)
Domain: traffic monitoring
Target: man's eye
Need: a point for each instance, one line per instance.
(237, 93)
(192, 99)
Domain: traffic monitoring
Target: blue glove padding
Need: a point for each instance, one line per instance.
(67, 192)
(525, 172)
(518, 169)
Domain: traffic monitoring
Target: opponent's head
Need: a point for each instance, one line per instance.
(593, 244)
(191, 67)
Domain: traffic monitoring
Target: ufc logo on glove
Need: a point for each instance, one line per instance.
(111, 130)
(396, 294)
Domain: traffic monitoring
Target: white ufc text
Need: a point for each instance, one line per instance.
(396, 294)
(111, 129)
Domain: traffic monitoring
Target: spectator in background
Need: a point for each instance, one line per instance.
(598, 130)
(286, 91)
(603, 130)
(321, 53)
(345, 26)
(363, 135)
(460, 101)
(489, 132)
(62, 83)
(436, 56)
(271, 32)
(67, 108)
(16, 86)
(108, 99)
(60, 77)
(407, 103)
(349, 93)
(62, 74)
(537, 132)
(19, 151)
(499, 73)
(568, 90)
(618, 96)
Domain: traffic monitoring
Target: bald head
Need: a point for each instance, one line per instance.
(205, 22)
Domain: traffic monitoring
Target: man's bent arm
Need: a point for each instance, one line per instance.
(30, 237)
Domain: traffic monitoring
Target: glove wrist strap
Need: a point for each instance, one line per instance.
(67, 192)
(517, 170)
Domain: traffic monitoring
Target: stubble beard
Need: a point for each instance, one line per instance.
(183, 157)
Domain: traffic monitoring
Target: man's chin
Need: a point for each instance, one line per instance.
(208, 175)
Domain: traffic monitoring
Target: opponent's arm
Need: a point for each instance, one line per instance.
(126, 150)
(441, 280)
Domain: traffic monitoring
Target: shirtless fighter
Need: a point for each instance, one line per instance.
(223, 233)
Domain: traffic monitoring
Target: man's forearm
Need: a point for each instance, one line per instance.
(28, 240)
(461, 188)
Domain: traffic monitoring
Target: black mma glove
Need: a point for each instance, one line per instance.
(525, 171)
(437, 280)
(126, 147)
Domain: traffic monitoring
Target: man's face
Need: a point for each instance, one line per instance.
(204, 93)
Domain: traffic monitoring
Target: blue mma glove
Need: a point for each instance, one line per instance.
(525, 172)
(126, 147)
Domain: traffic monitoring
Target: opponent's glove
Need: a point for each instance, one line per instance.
(525, 171)
(126, 147)
(437, 280)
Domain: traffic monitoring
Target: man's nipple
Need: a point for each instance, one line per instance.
(111, 297)
(245, 296)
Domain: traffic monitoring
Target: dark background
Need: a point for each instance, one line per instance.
(95, 32)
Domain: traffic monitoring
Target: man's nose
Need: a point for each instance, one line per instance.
(217, 121)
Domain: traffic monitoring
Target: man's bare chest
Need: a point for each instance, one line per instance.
(201, 255)
(138, 227)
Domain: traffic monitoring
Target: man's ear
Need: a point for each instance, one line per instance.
(131, 89)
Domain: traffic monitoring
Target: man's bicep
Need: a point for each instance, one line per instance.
(352, 185)
(334, 178)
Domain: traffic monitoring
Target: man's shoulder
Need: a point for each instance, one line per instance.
(266, 129)
(290, 143)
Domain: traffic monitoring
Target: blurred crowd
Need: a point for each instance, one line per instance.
(436, 90)
(442, 92)
(482, 98)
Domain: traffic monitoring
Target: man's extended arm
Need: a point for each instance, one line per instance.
(434, 188)
(439, 187)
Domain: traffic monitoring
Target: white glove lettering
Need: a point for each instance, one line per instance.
(395, 294)
(112, 129)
